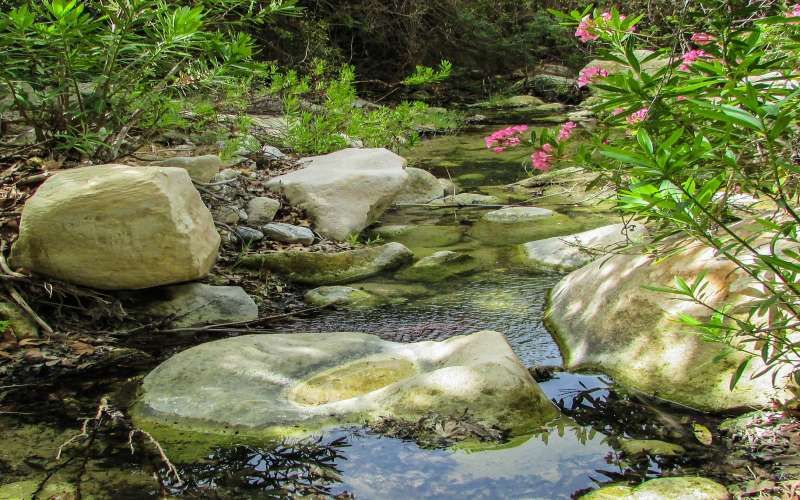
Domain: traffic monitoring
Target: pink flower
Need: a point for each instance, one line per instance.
(639, 116)
(703, 38)
(690, 57)
(585, 30)
(681, 98)
(588, 75)
(794, 11)
(542, 158)
(617, 111)
(566, 131)
(503, 139)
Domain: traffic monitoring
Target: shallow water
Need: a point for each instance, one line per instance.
(500, 295)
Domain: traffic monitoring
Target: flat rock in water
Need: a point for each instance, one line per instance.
(605, 318)
(345, 191)
(652, 447)
(195, 304)
(438, 267)
(665, 488)
(513, 215)
(576, 250)
(295, 384)
(288, 233)
(421, 187)
(117, 227)
(201, 168)
(337, 268)
(467, 199)
(339, 295)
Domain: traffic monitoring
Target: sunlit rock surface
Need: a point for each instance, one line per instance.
(665, 488)
(297, 383)
(604, 317)
(421, 187)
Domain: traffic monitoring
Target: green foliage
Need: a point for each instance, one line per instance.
(4, 325)
(424, 75)
(87, 75)
(714, 157)
(340, 119)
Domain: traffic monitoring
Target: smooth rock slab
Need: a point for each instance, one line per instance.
(117, 227)
(513, 215)
(438, 267)
(576, 250)
(665, 488)
(200, 168)
(337, 268)
(288, 233)
(194, 304)
(345, 191)
(294, 384)
(339, 295)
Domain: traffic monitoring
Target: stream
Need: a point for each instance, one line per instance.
(573, 455)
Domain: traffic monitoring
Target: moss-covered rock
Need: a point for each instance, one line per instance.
(343, 296)
(25, 490)
(466, 199)
(20, 323)
(264, 386)
(438, 267)
(635, 447)
(321, 268)
(665, 488)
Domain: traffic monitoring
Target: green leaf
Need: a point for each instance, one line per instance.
(645, 141)
(739, 372)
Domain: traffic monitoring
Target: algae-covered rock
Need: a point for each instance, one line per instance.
(25, 490)
(393, 292)
(665, 488)
(345, 191)
(293, 384)
(20, 323)
(635, 447)
(421, 187)
(117, 227)
(439, 267)
(420, 236)
(337, 268)
(338, 295)
(605, 317)
(576, 250)
(554, 87)
(513, 215)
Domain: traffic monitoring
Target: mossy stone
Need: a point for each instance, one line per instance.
(635, 447)
(438, 267)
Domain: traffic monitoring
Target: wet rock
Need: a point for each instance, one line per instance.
(576, 250)
(393, 292)
(288, 233)
(339, 295)
(421, 235)
(604, 317)
(665, 488)
(513, 215)
(449, 187)
(438, 267)
(117, 227)
(338, 268)
(345, 191)
(295, 384)
(261, 210)
(196, 304)
(467, 199)
(246, 234)
(633, 447)
(554, 87)
(20, 323)
(421, 187)
(200, 168)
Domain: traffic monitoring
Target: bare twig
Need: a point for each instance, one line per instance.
(171, 469)
(24, 305)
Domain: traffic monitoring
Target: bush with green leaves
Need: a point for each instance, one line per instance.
(706, 144)
(324, 113)
(95, 78)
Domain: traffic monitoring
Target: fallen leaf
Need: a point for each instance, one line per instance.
(702, 434)
(81, 348)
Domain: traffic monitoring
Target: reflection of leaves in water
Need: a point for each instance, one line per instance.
(290, 469)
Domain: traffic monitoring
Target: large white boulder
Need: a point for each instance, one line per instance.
(294, 384)
(117, 227)
(345, 191)
(605, 318)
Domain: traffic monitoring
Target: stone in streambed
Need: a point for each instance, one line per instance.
(337, 268)
(633, 447)
(261, 210)
(200, 168)
(296, 384)
(346, 191)
(466, 199)
(246, 234)
(117, 227)
(288, 233)
(339, 295)
(421, 187)
(196, 304)
(665, 488)
(438, 267)
(514, 215)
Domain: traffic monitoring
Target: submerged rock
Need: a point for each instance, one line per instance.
(654, 447)
(294, 384)
(345, 191)
(340, 296)
(512, 215)
(576, 250)
(288, 233)
(439, 267)
(318, 268)
(195, 304)
(200, 168)
(117, 227)
(604, 318)
(421, 187)
(665, 488)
